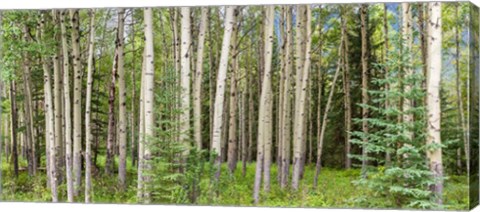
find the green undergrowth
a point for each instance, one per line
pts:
(334, 190)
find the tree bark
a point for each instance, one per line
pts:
(122, 101)
(232, 118)
(67, 112)
(364, 61)
(407, 43)
(185, 78)
(265, 111)
(346, 90)
(13, 128)
(434, 64)
(287, 105)
(148, 96)
(301, 92)
(109, 163)
(220, 96)
(88, 102)
(197, 87)
(77, 99)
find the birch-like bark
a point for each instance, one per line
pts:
(68, 108)
(149, 94)
(303, 67)
(434, 51)
(186, 42)
(122, 101)
(49, 116)
(141, 135)
(197, 87)
(28, 110)
(287, 105)
(407, 43)
(265, 112)
(88, 103)
(220, 90)
(232, 110)
(77, 99)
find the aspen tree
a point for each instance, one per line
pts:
(122, 101)
(149, 83)
(434, 64)
(49, 116)
(77, 99)
(197, 87)
(303, 67)
(67, 113)
(186, 42)
(265, 111)
(407, 42)
(88, 102)
(232, 110)
(286, 123)
(220, 90)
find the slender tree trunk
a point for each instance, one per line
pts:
(385, 56)
(185, 78)
(109, 163)
(149, 81)
(434, 62)
(67, 114)
(286, 122)
(197, 87)
(133, 113)
(243, 128)
(88, 103)
(407, 116)
(264, 142)
(77, 99)
(49, 117)
(141, 135)
(325, 116)
(461, 113)
(364, 61)
(13, 128)
(57, 103)
(122, 101)
(220, 96)
(28, 114)
(232, 118)
(301, 93)
(346, 89)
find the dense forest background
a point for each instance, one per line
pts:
(325, 105)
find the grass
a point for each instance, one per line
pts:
(334, 190)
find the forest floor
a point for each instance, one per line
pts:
(335, 189)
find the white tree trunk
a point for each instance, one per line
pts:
(220, 90)
(149, 84)
(77, 99)
(185, 78)
(68, 108)
(434, 64)
(197, 87)
(88, 103)
(122, 100)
